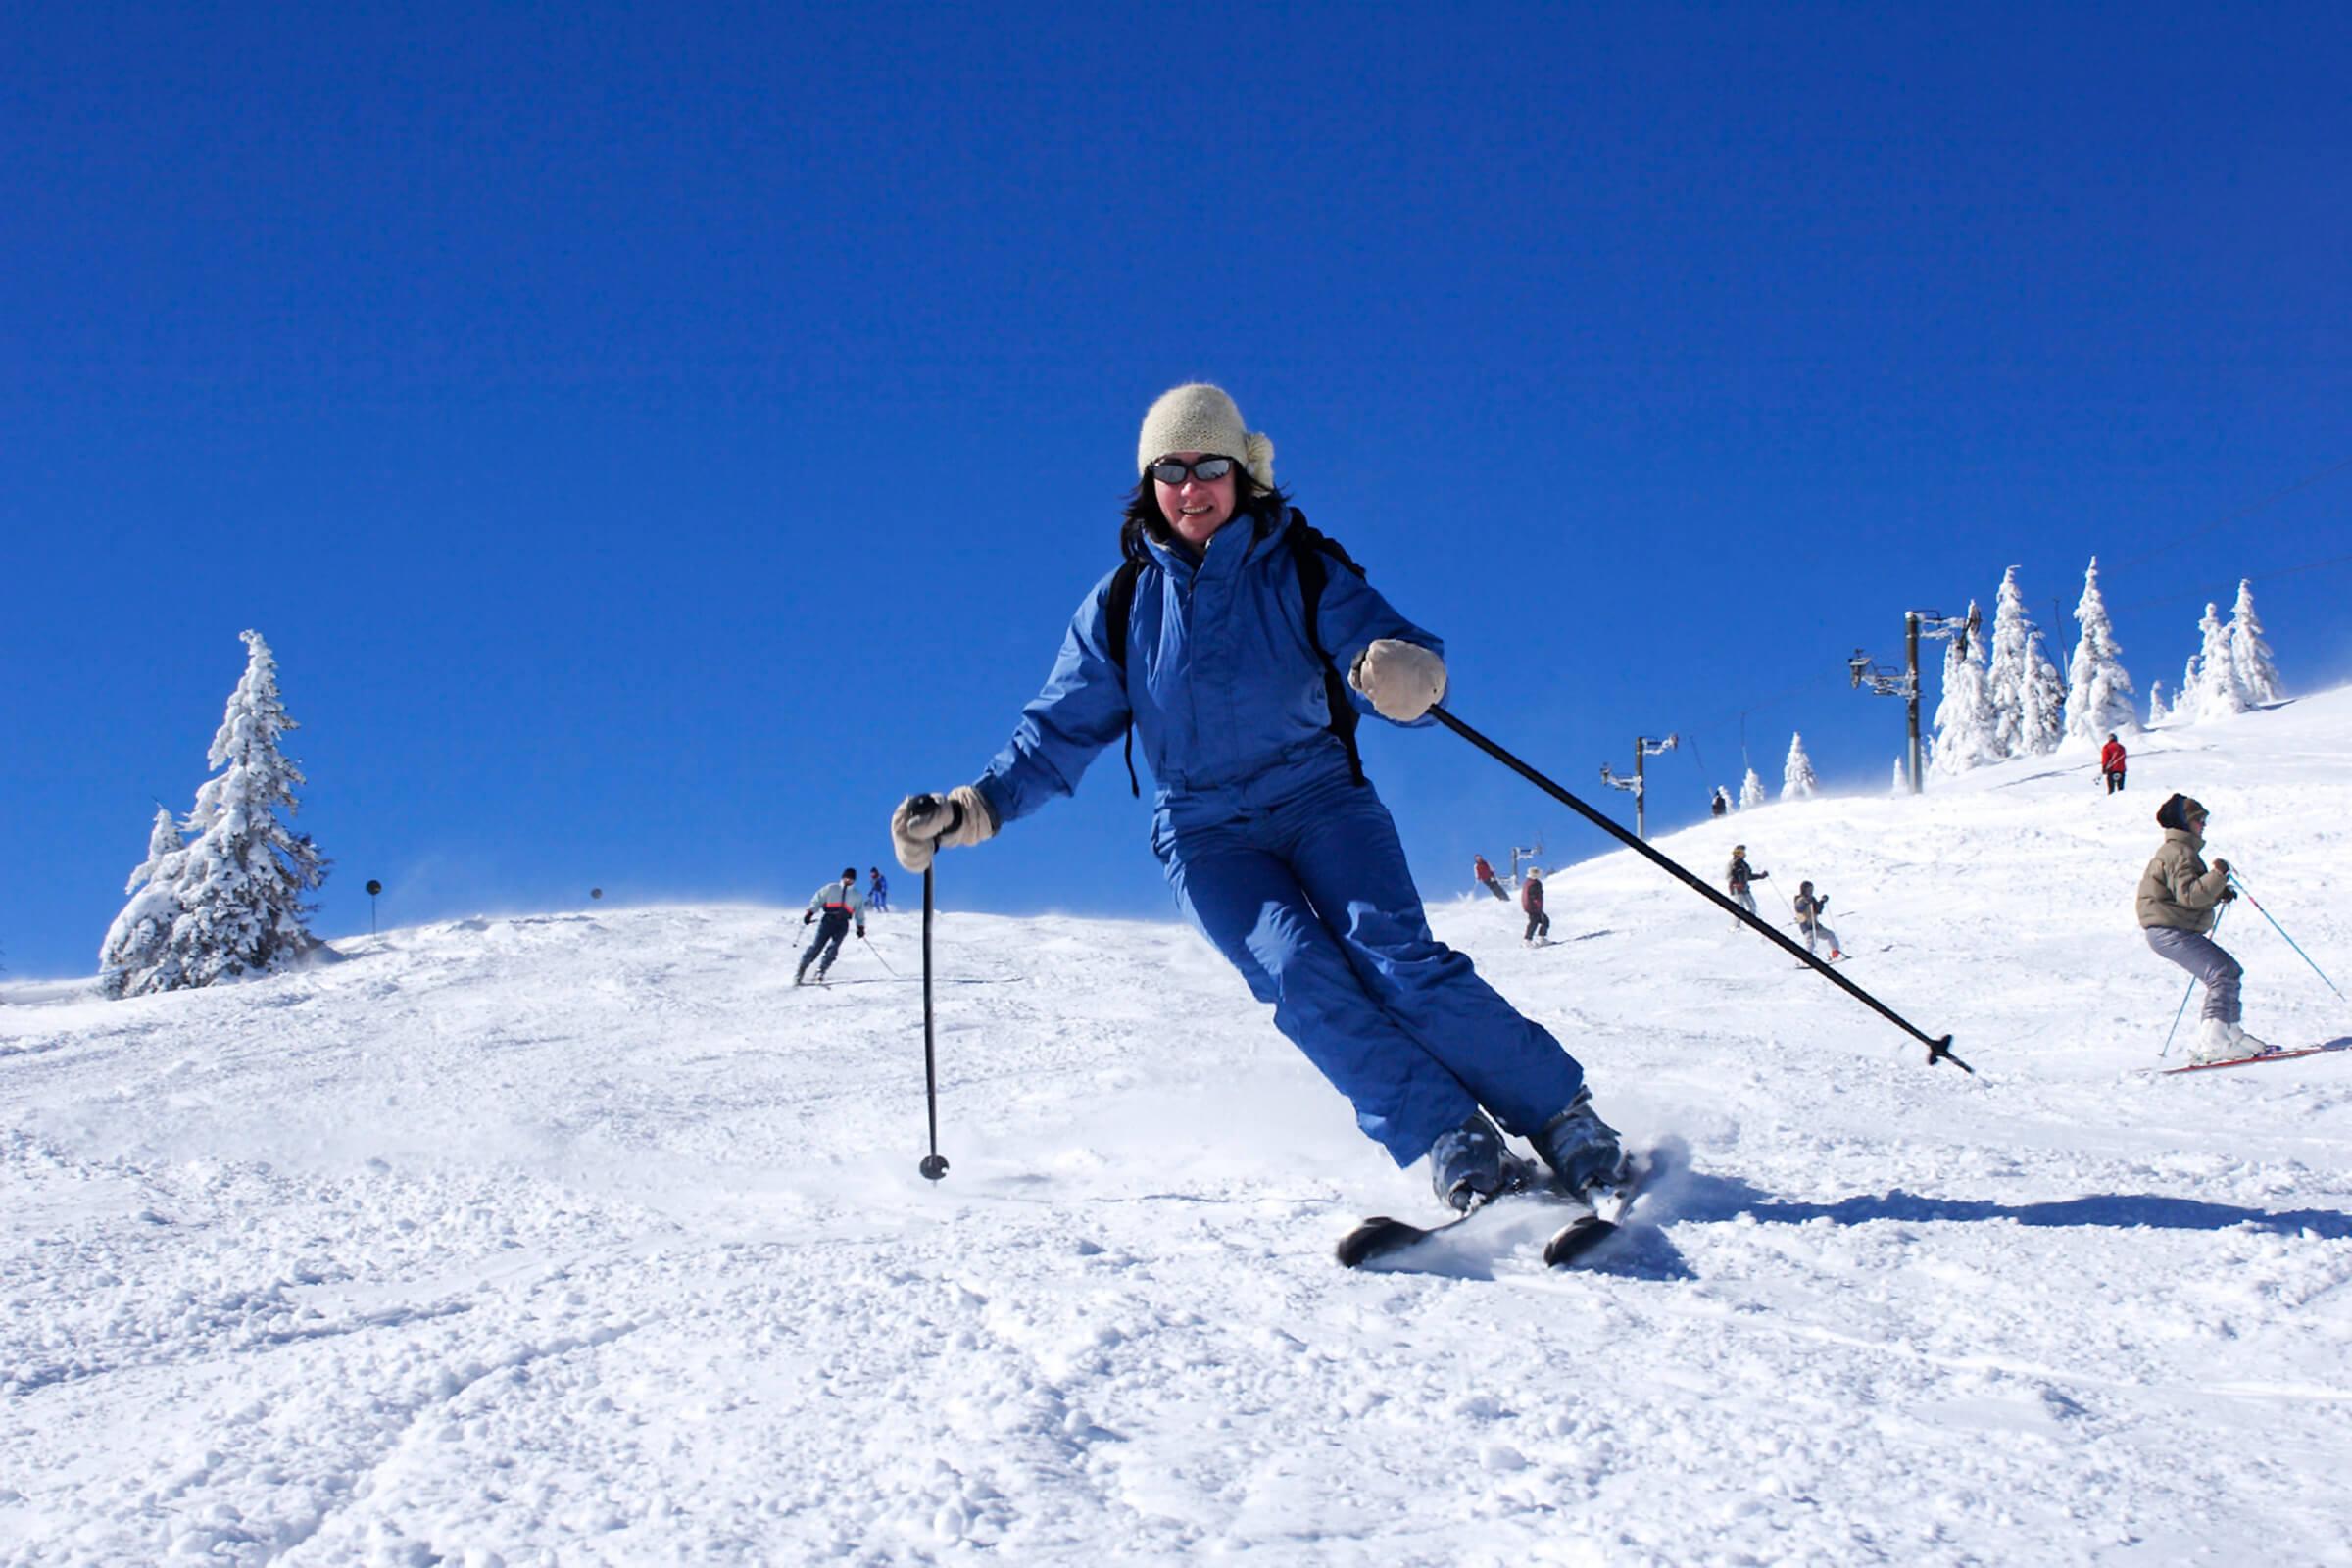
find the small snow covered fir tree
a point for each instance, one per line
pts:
(1796, 776)
(1751, 791)
(2250, 652)
(2028, 696)
(2214, 690)
(1967, 728)
(242, 878)
(135, 959)
(1902, 782)
(2156, 712)
(2098, 691)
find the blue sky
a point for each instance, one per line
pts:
(653, 441)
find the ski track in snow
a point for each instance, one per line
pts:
(588, 1239)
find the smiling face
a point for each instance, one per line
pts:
(1195, 508)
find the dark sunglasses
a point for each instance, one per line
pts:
(1174, 470)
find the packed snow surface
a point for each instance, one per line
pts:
(585, 1238)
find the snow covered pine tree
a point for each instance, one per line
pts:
(1967, 728)
(2214, 690)
(133, 960)
(2250, 652)
(242, 878)
(1796, 776)
(2099, 690)
(1751, 791)
(2028, 697)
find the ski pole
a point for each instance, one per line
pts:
(2282, 930)
(2186, 995)
(877, 953)
(934, 1166)
(1940, 1048)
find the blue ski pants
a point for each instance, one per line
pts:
(1295, 875)
(831, 927)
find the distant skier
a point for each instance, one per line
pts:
(1487, 878)
(1237, 645)
(2180, 900)
(1530, 899)
(1721, 803)
(877, 892)
(840, 903)
(1809, 910)
(2111, 764)
(1739, 876)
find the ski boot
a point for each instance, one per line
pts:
(1581, 1148)
(1469, 1164)
(2216, 1042)
(2247, 1045)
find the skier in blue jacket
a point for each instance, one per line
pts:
(1276, 849)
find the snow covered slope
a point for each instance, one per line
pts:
(580, 1239)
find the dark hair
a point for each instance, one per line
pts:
(1263, 505)
(848, 872)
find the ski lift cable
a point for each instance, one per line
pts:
(2240, 515)
(2264, 577)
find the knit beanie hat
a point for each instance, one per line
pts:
(2180, 811)
(1200, 417)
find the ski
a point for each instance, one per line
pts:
(1597, 1219)
(1576, 1241)
(2249, 1062)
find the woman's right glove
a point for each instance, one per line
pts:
(925, 824)
(1403, 680)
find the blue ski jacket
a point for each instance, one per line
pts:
(1220, 683)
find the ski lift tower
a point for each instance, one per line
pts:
(1531, 853)
(1643, 749)
(1916, 624)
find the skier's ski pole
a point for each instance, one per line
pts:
(1940, 1048)
(878, 959)
(2282, 930)
(934, 1166)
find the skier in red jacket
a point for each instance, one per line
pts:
(2111, 762)
(1487, 879)
(1530, 899)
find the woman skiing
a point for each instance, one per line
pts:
(1531, 900)
(1275, 847)
(1810, 906)
(2180, 901)
(1738, 876)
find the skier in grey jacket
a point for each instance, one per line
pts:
(2180, 901)
(840, 903)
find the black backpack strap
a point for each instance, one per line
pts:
(1116, 610)
(1309, 549)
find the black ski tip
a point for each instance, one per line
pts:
(1577, 1238)
(1375, 1236)
(934, 1167)
(1942, 1051)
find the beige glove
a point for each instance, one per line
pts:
(925, 824)
(1403, 680)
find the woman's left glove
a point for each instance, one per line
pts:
(925, 824)
(1403, 680)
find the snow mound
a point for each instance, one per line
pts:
(590, 1238)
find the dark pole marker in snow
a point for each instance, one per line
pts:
(934, 1165)
(373, 888)
(1940, 1048)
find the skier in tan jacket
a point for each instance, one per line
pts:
(2180, 902)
